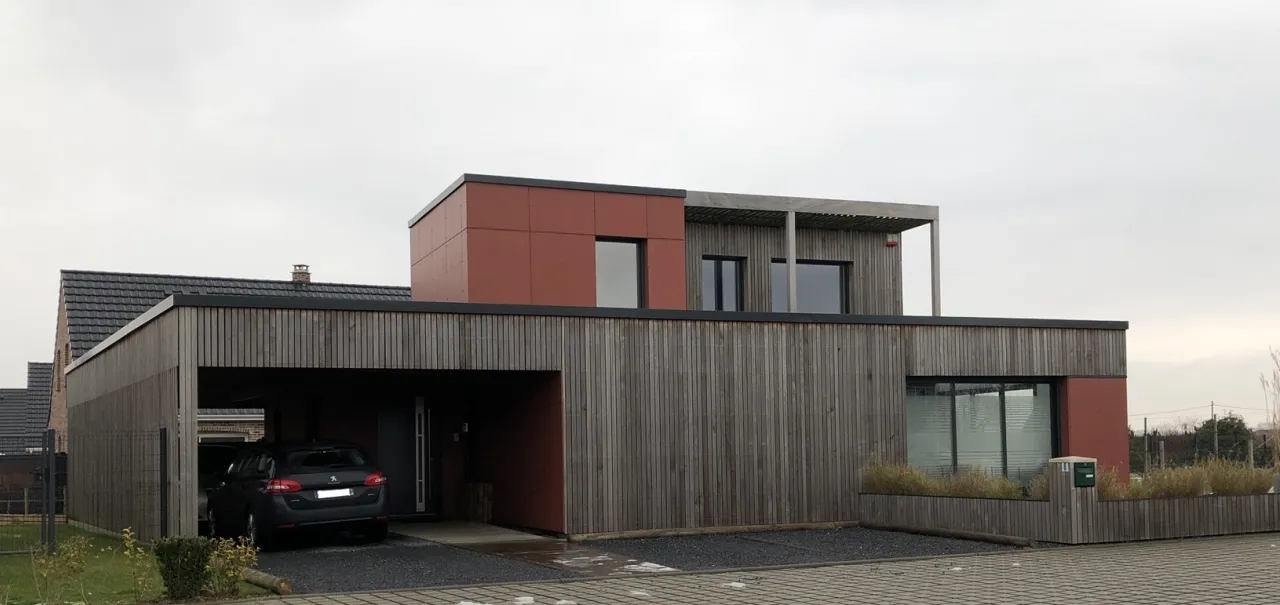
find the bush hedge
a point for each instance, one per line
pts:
(184, 565)
(1218, 477)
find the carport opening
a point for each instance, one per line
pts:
(475, 445)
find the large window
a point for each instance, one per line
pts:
(820, 287)
(618, 273)
(721, 284)
(997, 428)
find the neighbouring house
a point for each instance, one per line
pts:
(92, 305)
(601, 358)
(24, 412)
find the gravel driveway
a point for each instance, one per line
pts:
(332, 565)
(787, 548)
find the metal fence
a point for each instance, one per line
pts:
(119, 480)
(33, 480)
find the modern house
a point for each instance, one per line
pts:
(612, 358)
(92, 305)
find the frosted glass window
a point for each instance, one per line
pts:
(929, 428)
(979, 439)
(996, 428)
(1028, 429)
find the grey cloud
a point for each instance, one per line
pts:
(1091, 159)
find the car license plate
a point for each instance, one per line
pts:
(333, 493)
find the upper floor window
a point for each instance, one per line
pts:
(721, 284)
(820, 287)
(619, 270)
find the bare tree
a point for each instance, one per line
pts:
(1271, 393)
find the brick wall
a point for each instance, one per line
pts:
(61, 357)
(253, 428)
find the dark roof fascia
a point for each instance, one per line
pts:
(544, 184)
(396, 306)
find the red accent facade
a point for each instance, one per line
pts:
(1094, 421)
(488, 243)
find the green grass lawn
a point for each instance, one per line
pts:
(106, 580)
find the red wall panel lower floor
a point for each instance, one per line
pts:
(1094, 421)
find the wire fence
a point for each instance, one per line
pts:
(1186, 447)
(33, 480)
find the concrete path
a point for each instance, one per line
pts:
(530, 548)
(1238, 570)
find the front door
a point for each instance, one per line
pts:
(405, 455)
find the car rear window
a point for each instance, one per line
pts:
(214, 459)
(325, 458)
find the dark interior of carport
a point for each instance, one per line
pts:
(438, 435)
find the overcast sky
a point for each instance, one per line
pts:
(1109, 160)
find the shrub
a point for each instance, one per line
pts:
(142, 565)
(184, 565)
(977, 484)
(880, 477)
(1174, 482)
(1228, 478)
(1110, 487)
(1038, 489)
(227, 564)
(52, 573)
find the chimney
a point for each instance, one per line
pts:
(301, 274)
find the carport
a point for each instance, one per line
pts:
(586, 421)
(432, 432)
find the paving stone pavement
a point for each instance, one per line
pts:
(1236, 569)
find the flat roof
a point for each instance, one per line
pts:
(738, 208)
(543, 183)
(455, 308)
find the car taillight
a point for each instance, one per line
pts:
(375, 479)
(282, 486)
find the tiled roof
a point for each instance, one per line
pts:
(13, 416)
(39, 392)
(99, 303)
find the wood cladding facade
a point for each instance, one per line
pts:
(668, 423)
(1011, 518)
(115, 408)
(873, 270)
(1087, 521)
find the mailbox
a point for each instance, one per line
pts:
(1085, 474)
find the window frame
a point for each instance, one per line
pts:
(642, 294)
(718, 261)
(1055, 392)
(842, 266)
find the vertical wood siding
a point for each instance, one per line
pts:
(667, 423)
(1015, 518)
(116, 405)
(1098, 522)
(874, 270)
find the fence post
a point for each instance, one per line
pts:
(1162, 453)
(164, 482)
(51, 489)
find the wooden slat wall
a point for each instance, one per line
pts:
(1117, 521)
(979, 351)
(667, 423)
(874, 270)
(116, 405)
(1016, 518)
(1127, 520)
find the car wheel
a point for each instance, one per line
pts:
(259, 537)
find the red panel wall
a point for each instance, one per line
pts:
(1095, 421)
(531, 245)
(438, 251)
(525, 458)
